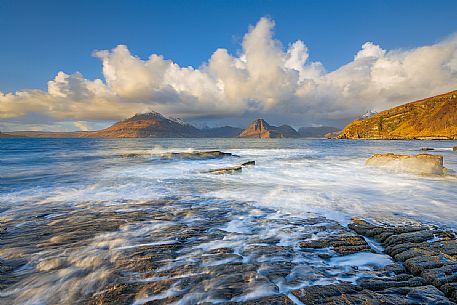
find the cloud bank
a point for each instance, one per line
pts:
(265, 79)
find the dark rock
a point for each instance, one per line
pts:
(343, 244)
(273, 300)
(427, 148)
(225, 170)
(409, 237)
(404, 280)
(248, 163)
(432, 262)
(418, 264)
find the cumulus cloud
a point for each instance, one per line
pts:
(264, 79)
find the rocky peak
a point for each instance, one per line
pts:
(259, 128)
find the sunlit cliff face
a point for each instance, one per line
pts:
(266, 79)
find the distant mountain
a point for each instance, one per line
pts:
(316, 132)
(221, 132)
(261, 129)
(149, 125)
(430, 118)
(7, 135)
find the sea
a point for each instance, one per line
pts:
(81, 215)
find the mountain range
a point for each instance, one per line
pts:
(430, 118)
(156, 125)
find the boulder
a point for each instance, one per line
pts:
(454, 148)
(423, 164)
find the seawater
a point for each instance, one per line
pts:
(76, 210)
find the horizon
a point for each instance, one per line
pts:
(281, 62)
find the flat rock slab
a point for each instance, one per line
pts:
(426, 253)
(350, 294)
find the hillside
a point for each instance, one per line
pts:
(261, 129)
(430, 118)
(148, 125)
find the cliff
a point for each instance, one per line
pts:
(430, 118)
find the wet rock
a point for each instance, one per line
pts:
(212, 154)
(424, 164)
(427, 148)
(225, 170)
(3, 229)
(248, 163)
(403, 280)
(276, 270)
(410, 237)
(418, 264)
(427, 253)
(273, 300)
(126, 293)
(454, 148)
(351, 294)
(342, 244)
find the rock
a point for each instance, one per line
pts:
(212, 154)
(225, 170)
(273, 300)
(424, 164)
(343, 244)
(428, 254)
(248, 163)
(339, 294)
(3, 229)
(454, 148)
(196, 155)
(427, 148)
(262, 130)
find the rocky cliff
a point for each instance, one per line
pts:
(261, 129)
(430, 118)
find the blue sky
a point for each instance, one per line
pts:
(42, 37)
(69, 65)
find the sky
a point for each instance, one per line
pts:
(81, 65)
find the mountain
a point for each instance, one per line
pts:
(7, 135)
(261, 129)
(316, 132)
(149, 125)
(430, 118)
(221, 132)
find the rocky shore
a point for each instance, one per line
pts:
(184, 252)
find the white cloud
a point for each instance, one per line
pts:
(265, 79)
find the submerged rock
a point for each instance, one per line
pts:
(230, 169)
(211, 154)
(225, 170)
(424, 164)
(196, 155)
(248, 163)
